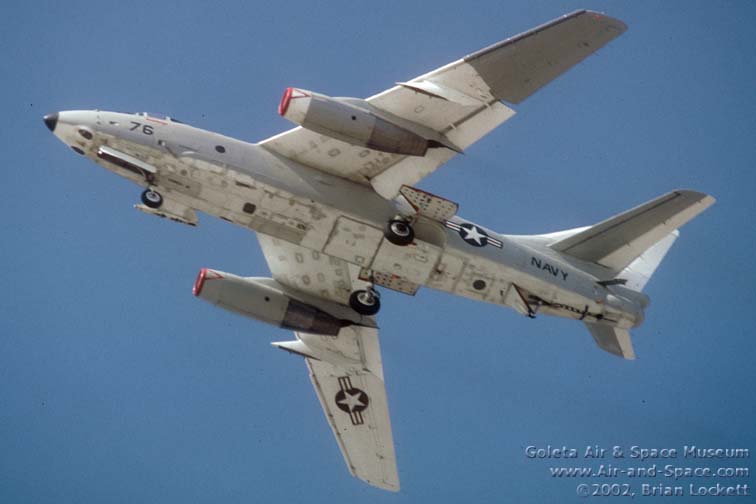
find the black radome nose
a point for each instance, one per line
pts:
(51, 120)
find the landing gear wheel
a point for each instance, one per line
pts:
(399, 232)
(365, 302)
(152, 199)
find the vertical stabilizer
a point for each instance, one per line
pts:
(639, 272)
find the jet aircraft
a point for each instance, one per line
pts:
(337, 213)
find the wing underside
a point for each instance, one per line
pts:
(346, 370)
(347, 374)
(308, 271)
(356, 407)
(461, 101)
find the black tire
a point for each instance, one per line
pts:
(152, 199)
(399, 232)
(365, 304)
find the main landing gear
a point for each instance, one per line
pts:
(365, 302)
(151, 198)
(399, 232)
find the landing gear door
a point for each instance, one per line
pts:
(429, 205)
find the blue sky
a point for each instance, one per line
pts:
(119, 386)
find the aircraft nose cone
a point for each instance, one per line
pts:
(51, 120)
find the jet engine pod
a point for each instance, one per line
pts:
(262, 299)
(339, 118)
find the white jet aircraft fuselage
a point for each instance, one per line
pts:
(337, 213)
(304, 206)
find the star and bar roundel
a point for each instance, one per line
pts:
(472, 234)
(351, 400)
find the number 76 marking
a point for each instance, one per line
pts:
(146, 128)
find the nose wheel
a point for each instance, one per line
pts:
(399, 232)
(151, 198)
(365, 302)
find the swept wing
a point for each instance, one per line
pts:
(461, 100)
(346, 370)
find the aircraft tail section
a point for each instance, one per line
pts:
(631, 246)
(638, 273)
(617, 243)
(614, 340)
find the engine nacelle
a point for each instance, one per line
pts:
(337, 118)
(263, 299)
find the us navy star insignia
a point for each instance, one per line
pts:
(472, 234)
(351, 400)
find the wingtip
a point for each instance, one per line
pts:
(618, 24)
(704, 198)
(384, 485)
(389, 481)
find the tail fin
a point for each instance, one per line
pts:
(639, 272)
(617, 243)
(632, 245)
(618, 341)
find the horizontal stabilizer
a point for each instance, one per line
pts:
(613, 340)
(618, 241)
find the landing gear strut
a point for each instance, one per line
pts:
(365, 302)
(399, 232)
(152, 198)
